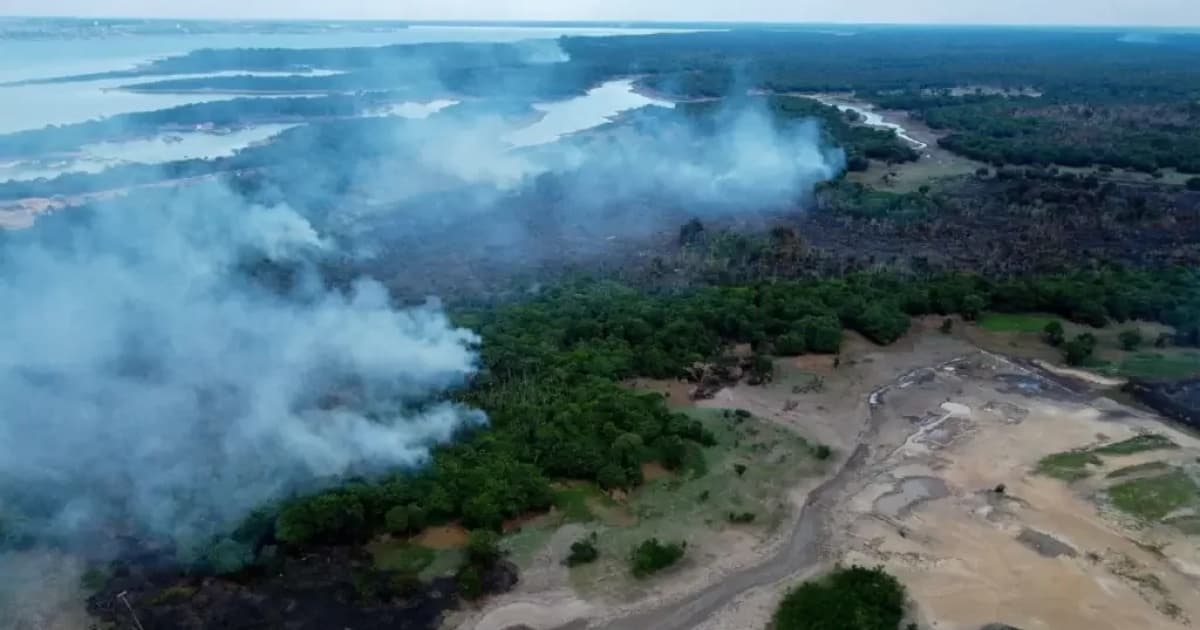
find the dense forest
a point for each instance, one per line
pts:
(1073, 98)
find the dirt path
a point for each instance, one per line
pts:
(802, 551)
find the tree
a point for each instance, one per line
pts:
(857, 163)
(229, 556)
(1054, 334)
(822, 333)
(470, 582)
(653, 556)
(1131, 339)
(331, 518)
(611, 476)
(1079, 349)
(691, 232)
(403, 519)
(483, 548)
(972, 307)
(852, 598)
(791, 344)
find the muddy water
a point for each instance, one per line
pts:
(910, 493)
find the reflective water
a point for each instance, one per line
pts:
(94, 158)
(593, 109)
(35, 106)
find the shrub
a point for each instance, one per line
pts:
(1079, 349)
(1131, 339)
(652, 556)
(741, 517)
(822, 452)
(1054, 334)
(470, 583)
(483, 548)
(583, 551)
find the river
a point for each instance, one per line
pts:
(869, 116)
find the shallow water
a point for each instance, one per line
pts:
(593, 109)
(35, 106)
(168, 147)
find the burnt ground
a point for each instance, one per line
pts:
(322, 589)
(1021, 222)
(1179, 401)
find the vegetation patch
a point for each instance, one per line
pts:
(573, 501)
(401, 556)
(1152, 498)
(1016, 322)
(852, 598)
(1161, 366)
(653, 556)
(1069, 466)
(583, 551)
(1139, 444)
(696, 502)
(1138, 469)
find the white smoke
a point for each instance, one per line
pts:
(145, 377)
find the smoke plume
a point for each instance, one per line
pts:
(148, 378)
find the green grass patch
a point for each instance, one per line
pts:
(573, 502)
(693, 505)
(1016, 322)
(1138, 469)
(1152, 498)
(402, 556)
(1139, 444)
(1069, 466)
(1161, 366)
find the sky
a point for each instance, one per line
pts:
(1081, 12)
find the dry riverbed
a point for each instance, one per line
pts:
(936, 477)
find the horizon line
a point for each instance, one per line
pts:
(611, 23)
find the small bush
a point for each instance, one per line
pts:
(1131, 339)
(653, 556)
(583, 551)
(1078, 350)
(822, 452)
(1054, 333)
(741, 517)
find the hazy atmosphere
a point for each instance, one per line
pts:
(1122, 12)
(616, 315)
